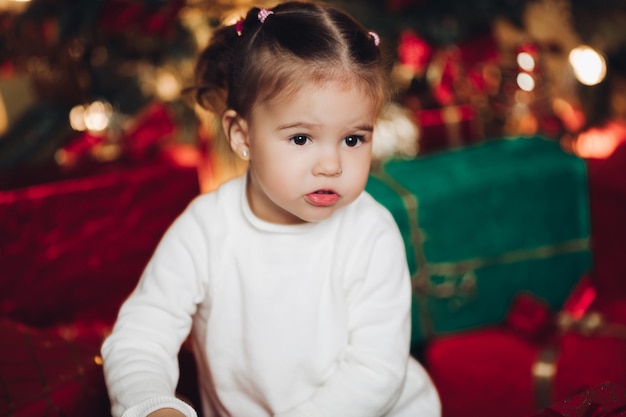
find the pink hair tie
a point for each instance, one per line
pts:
(375, 37)
(263, 13)
(239, 26)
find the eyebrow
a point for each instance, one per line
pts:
(367, 128)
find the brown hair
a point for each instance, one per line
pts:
(300, 42)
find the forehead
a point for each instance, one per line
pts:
(331, 103)
(288, 76)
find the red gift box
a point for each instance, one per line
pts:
(73, 249)
(522, 366)
(587, 347)
(447, 128)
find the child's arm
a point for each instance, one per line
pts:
(141, 355)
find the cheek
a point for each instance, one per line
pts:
(278, 175)
(359, 173)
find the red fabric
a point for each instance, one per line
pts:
(604, 400)
(44, 375)
(72, 250)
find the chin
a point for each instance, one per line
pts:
(319, 214)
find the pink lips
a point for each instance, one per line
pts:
(322, 197)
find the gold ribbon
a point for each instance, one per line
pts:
(543, 371)
(465, 269)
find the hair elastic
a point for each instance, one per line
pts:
(239, 26)
(263, 13)
(375, 37)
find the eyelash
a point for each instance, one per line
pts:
(297, 138)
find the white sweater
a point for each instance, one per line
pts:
(286, 321)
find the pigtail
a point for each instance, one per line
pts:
(212, 70)
(271, 51)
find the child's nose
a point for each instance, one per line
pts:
(328, 163)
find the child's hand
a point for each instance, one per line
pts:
(166, 412)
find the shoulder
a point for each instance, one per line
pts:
(369, 223)
(208, 211)
(223, 198)
(367, 209)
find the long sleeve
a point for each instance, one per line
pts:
(369, 376)
(285, 320)
(140, 356)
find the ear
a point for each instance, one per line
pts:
(236, 131)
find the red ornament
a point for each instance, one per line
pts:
(414, 52)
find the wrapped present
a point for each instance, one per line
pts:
(535, 358)
(485, 222)
(46, 375)
(73, 248)
(508, 372)
(447, 127)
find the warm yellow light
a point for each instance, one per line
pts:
(526, 61)
(600, 142)
(4, 117)
(525, 81)
(77, 118)
(94, 117)
(14, 5)
(168, 85)
(97, 116)
(589, 66)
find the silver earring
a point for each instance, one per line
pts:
(244, 153)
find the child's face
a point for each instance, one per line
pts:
(310, 152)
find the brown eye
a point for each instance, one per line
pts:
(353, 141)
(300, 140)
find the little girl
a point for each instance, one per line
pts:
(291, 281)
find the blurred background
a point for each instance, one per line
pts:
(76, 77)
(507, 131)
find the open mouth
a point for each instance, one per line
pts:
(323, 197)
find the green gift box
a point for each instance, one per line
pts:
(485, 222)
